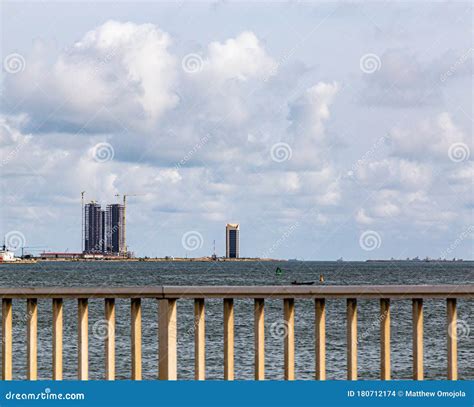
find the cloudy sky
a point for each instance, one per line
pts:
(324, 129)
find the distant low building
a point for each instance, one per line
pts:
(232, 241)
(61, 255)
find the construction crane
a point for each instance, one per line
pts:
(124, 218)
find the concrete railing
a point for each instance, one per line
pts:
(167, 297)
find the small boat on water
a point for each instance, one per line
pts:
(302, 282)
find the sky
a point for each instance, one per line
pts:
(325, 129)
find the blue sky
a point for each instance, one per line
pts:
(324, 129)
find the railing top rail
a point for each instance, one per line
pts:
(281, 291)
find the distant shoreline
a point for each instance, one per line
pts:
(219, 260)
(152, 259)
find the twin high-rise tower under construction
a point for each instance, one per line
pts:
(115, 225)
(104, 230)
(94, 228)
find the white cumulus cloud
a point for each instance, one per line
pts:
(431, 138)
(117, 75)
